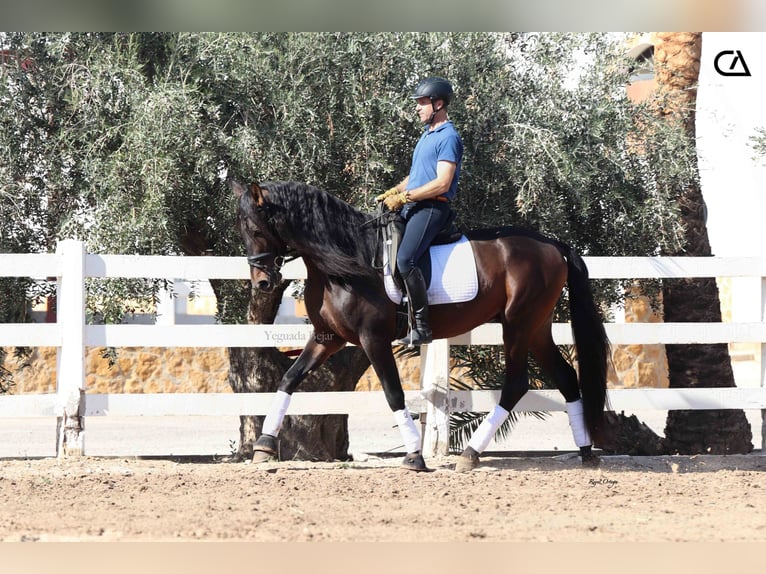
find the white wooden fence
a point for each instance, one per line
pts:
(71, 265)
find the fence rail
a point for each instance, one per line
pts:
(71, 265)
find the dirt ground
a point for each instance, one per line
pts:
(702, 498)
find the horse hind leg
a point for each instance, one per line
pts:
(514, 388)
(469, 458)
(564, 376)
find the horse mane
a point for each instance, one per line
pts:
(329, 231)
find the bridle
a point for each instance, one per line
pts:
(274, 271)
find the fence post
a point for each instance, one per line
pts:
(70, 367)
(434, 382)
(763, 364)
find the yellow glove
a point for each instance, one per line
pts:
(395, 202)
(388, 193)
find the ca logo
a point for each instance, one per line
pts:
(736, 63)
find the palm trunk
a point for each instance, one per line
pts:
(677, 60)
(699, 366)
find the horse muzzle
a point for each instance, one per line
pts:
(267, 281)
(268, 285)
(264, 277)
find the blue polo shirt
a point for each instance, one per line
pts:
(441, 144)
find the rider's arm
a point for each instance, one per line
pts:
(445, 171)
(402, 185)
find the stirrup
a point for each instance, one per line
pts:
(414, 338)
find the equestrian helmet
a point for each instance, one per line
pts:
(435, 88)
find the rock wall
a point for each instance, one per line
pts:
(639, 365)
(155, 370)
(134, 370)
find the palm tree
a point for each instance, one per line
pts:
(676, 67)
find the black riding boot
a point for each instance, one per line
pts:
(417, 298)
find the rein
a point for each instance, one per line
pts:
(388, 234)
(271, 262)
(381, 214)
(381, 234)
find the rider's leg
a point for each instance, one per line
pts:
(423, 220)
(417, 295)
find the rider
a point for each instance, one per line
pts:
(424, 196)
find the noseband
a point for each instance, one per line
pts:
(274, 271)
(255, 261)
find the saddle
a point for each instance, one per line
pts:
(393, 229)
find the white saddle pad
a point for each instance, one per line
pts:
(453, 275)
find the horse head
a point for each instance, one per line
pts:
(265, 250)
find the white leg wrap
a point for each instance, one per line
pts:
(487, 429)
(276, 415)
(577, 423)
(408, 429)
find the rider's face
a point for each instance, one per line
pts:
(424, 108)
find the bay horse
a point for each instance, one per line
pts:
(521, 277)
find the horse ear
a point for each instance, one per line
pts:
(253, 189)
(258, 195)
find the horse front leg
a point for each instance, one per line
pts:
(319, 348)
(381, 357)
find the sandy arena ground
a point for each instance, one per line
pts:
(539, 498)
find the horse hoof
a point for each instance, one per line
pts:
(468, 460)
(265, 448)
(414, 461)
(261, 456)
(591, 461)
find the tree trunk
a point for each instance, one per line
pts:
(251, 370)
(628, 435)
(677, 61)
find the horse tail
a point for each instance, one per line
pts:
(591, 342)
